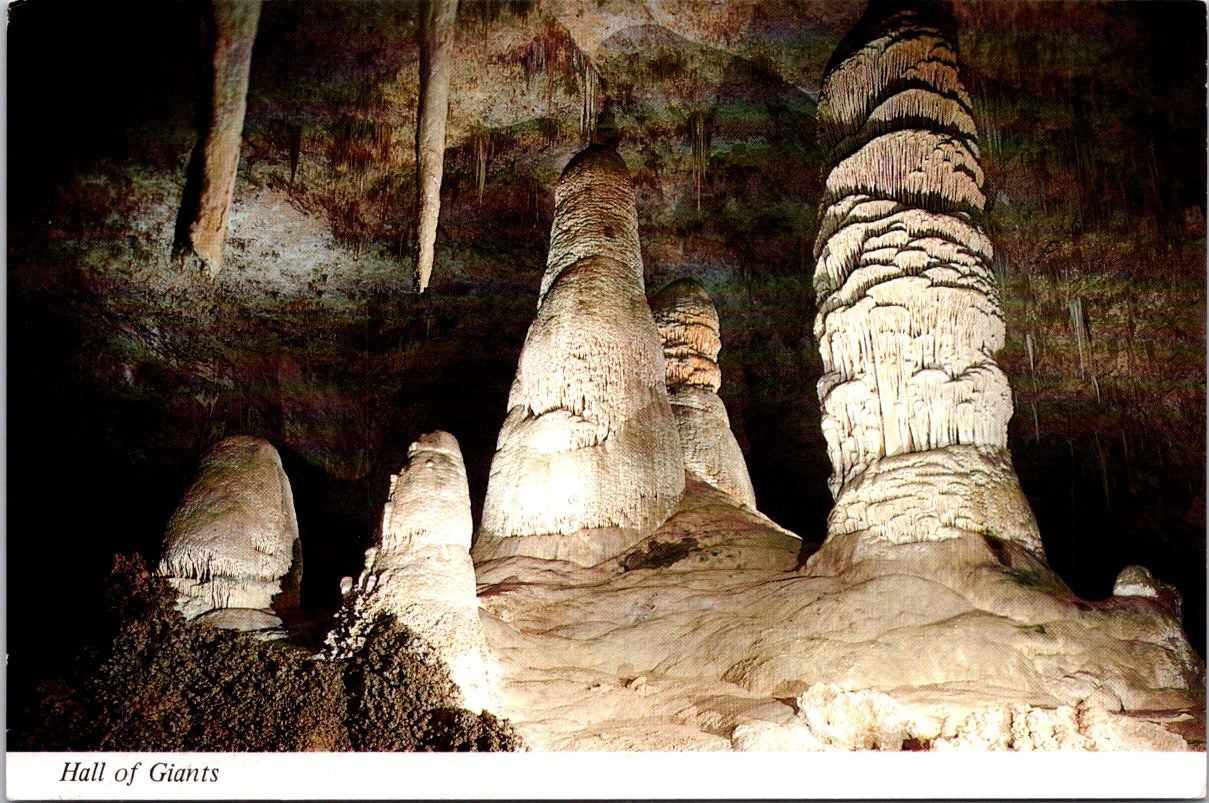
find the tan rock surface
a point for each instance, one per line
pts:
(915, 408)
(726, 633)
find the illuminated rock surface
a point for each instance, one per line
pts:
(688, 324)
(588, 461)
(915, 409)
(929, 618)
(421, 573)
(706, 646)
(231, 549)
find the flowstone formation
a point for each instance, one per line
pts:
(231, 549)
(588, 460)
(421, 572)
(915, 409)
(929, 618)
(688, 324)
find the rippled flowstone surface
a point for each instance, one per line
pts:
(707, 637)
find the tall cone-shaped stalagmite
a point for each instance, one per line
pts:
(421, 573)
(588, 461)
(201, 224)
(437, 28)
(688, 324)
(231, 549)
(915, 409)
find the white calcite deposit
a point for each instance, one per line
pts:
(588, 461)
(915, 409)
(420, 572)
(688, 324)
(829, 718)
(972, 634)
(231, 549)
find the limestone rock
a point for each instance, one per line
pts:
(949, 629)
(1137, 581)
(233, 541)
(595, 215)
(201, 226)
(915, 409)
(258, 623)
(438, 25)
(421, 571)
(588, 461)
(688, 324)
(830, 718)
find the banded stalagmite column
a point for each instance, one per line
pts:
(688, 324)
(915, 409)
(438, 20)
(421, 571)
(231, 549)
(201, 224)
(588, 461)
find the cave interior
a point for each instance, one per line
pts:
(126, 365)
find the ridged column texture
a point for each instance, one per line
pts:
(688, 324)
(915, 409)
(588, 461)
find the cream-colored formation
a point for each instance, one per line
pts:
(201, 227)
(829, 718)
(915, 409)
(688, 324)
(231, 549)
(588, 460)
(438, 28)
(421, 572)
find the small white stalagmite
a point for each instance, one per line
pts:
(231, 549)
(588, 462)
(421, 572)
(688, 324)
(915, 408)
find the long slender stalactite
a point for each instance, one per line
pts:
(915, 408)
(437, 30)
(201, 225)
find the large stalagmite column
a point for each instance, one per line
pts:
(915, 409)
(688, 324)
(437, 28)
(588, 461)
(201, 224)
(421, 570)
